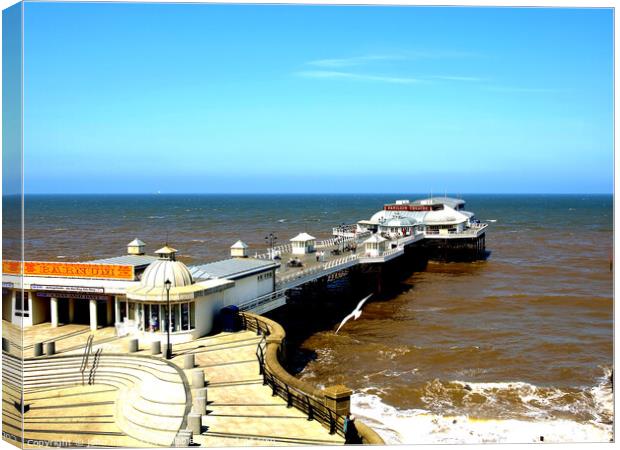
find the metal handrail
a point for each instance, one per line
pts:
(262, 300)
(87, 350)
(96, 358)
(313, 407)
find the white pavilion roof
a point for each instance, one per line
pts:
(446, 216)
(375, 239)
(239, 244)
(303, 237)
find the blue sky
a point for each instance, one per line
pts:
(238, 98)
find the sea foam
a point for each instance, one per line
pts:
(419, 426)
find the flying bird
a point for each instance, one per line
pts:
(355, 314)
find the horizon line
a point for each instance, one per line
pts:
(439, 195)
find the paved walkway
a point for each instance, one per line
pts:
(68, 338)
(241, 411)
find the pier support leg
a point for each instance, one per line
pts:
(54, 311)
(379, 282)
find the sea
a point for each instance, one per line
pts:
(515, 348)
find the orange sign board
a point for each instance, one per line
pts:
(70, 270)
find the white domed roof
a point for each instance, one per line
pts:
(446, 216)
(400, 222)
(156, 274)
(379, 216)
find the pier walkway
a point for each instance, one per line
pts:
(331, 256)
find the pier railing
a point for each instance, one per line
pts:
(298, 394)
(474, 230)
(317, 271)
(325, 243)
(263, 300)
(349, 230)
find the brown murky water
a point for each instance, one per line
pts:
(504, 350)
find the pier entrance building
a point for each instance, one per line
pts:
(132, 292)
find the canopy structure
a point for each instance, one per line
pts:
(375, 245)
(303, 244)
(178, 293)
(239, 245)
(303, 237)
(375, 239)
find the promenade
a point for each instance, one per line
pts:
(138, 400)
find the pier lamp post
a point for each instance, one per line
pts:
(168, 284)
(342, 229)
(271, 239)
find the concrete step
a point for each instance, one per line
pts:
(157, 408)
(149, 405)
(154, 419)
(142, 426)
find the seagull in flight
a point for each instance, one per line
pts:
(355, 314)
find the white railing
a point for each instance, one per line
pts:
(354, 237)
(259, 301)
(319, 270)
(277, 250)
(391, 251)
(345, 230)
(473, 230)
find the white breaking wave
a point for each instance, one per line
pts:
(419, 426)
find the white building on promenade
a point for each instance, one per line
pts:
(131, 292)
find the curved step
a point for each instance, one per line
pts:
(150, 404)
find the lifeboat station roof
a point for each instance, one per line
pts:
(231, 269)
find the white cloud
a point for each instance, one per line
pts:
(326, 74)
(354, 61)
(519, 89)
(457, 78)
(406, 56)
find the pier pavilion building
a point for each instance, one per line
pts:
(449, 231)
(432, 216)
(130, 292)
